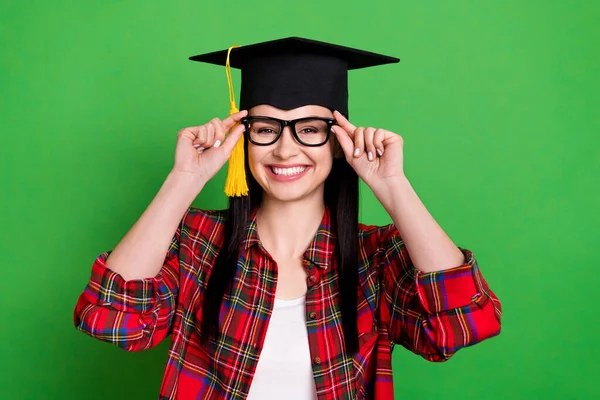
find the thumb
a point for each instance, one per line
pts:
(344, 140)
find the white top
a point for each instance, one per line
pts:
(284, 369)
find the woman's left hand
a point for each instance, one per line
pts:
(375, 154)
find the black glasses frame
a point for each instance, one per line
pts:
(282, 124)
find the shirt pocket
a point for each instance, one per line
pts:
(368, 296)
(364, 364)
(368, 332)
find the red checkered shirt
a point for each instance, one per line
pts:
(431, 314)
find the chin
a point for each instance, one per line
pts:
(291, 193)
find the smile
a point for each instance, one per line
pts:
(286, 174)
(288, 171)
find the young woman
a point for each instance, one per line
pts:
(285, 294)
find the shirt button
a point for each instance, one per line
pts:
(312, 315)
(317, 360)
(312, 279)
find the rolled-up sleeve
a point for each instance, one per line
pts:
(434, 314)
(135, 314)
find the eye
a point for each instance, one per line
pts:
(265, 131)
(308, 130)
(311, 126)
(264, 128)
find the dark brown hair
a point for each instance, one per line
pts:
(341, 197)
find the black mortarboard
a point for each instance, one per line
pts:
(286, 74)
(294, 72)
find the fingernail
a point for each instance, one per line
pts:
(196, 145)
(217, 143)
(356, 152)
(370, 156)
(379, 152)
(201, 148)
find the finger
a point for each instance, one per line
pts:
(198, 145)
(210, 130)
(359, 141)
(201, 136)
(369, 134)
(344, 140)
(191, 135)
(187, 134)
(233, 119)
(378, 141)
(231, 139)
(343, 122)
(219, 132)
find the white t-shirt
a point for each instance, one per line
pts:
(284, 369)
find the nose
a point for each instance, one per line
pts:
(286, 147)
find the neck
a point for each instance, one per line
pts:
(288, 227)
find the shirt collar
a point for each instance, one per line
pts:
(319, 251)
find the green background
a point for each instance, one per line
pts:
(497, 102)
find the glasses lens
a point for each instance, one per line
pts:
(312, 131)
(264, 130)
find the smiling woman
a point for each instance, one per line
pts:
(285, 294)
(296, 151)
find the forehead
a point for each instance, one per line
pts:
(300, 112)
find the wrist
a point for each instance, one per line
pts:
(391, 191)
(185, 183)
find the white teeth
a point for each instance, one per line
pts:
(288, 171)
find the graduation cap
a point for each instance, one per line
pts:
(286, 74)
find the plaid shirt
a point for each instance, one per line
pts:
(431, 314)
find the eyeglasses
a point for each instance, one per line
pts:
(311, 131)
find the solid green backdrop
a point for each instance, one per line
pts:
(497, 102)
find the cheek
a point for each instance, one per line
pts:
(254, 157)
(325, 159)
(335, 148)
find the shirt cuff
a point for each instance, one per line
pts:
(107, 288)
(452, 288)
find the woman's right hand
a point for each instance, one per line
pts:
(203, 150)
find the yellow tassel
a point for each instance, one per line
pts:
(236, 184)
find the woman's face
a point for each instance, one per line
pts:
(286, 169)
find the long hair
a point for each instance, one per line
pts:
(341, 197)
